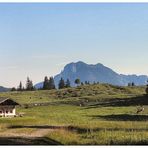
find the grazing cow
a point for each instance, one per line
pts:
(140, 109)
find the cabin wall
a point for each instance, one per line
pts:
(7, 111)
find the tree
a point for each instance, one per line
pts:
(129, 84)
(133, 84)
(82, 83)
(77, 81)
(67, 83)
(61, 83)
(146, 90)
(20, 87)
(94, 83)
(46, 83)
(29, 84)
(86, 82)
(13, 89)
(51, 83)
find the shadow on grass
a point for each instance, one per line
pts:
(122, 117)
(128, 142)
(89, 130)
(133, 101)
(27, 141)
(38, 126)
(81, 130)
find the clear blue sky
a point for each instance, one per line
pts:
(39, 39)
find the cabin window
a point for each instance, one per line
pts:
(1, 112)
(6, 112)
(11, 111)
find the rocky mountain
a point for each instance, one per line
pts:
(4, 89)
(95, 73)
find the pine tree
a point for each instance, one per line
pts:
(67, 83)
(77, 81)
(20, 87)
(133, 84)
(146, 90)
(86, 83)
(29, 84)
(129, 84)
(51, 83)
(13, 89)
(46, 83)
(61, 83)
(82, 83)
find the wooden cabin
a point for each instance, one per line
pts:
(7, 107)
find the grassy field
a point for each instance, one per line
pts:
(98, 114)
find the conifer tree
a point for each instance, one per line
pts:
(61, 83)
(29, 84)
(13, 89)
(146, 90)
(51, 83)
(133, 84)
(20, 87)
(86, 82)
(77, 81)
(46, 83)
(67, 83)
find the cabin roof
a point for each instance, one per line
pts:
(7, 101)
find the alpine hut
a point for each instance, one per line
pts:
(7, 107)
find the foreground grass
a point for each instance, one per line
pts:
(80, 126)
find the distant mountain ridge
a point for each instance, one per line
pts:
(4, 89)
(95, 73)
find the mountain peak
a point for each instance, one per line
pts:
(76, 63)
(96, 73)
(99, 64)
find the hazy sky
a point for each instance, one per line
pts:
(39, 39)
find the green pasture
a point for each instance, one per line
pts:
(99, 114)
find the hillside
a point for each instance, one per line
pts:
(76, 95)
(95, 73)
(77, 116)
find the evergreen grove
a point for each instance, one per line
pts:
(49, 84)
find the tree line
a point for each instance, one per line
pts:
(29, 86)
(48, 84)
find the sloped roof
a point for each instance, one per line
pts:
(7, 101)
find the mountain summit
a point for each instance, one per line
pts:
(96, 73)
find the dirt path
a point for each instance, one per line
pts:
(29, 135)
(34, 138)
(37, 137)
(40, 132)
(36, 133)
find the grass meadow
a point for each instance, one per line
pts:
(98, 114)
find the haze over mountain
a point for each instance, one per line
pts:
(95, 73)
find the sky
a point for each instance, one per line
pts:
(39, 39)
